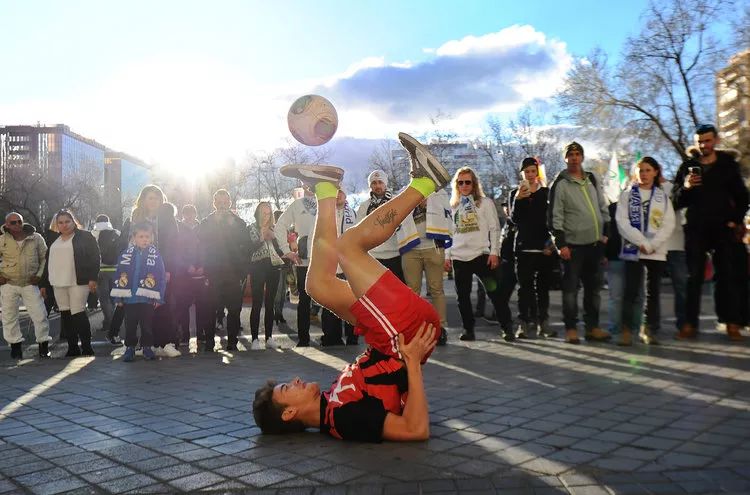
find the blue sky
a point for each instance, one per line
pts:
(144, 77)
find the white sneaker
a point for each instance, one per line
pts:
(271, 344)
(255, 345)
(170, 351)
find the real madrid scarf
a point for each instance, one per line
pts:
(640, 218)
(467, 216)
(140, 272)
(375, 202)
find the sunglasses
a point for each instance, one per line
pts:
(15, 222)
(463, 182)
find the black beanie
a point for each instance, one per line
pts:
(528, 162)
(572, 146)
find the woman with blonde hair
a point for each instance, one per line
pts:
(265, 265)
(72, 270)
(152, 206)
(475, 249)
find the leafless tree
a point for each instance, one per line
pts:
(663, 86)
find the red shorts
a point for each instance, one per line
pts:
(389, 308)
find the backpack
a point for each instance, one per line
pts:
(109, 247)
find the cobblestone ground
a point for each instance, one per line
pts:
(533, 417)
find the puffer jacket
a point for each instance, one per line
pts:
(19, 265)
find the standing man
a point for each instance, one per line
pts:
(578, 215)
(223, 241)
(301, 214)
(23, 252)
(710, 187)
(387, 253)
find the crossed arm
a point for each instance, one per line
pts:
(414, 422)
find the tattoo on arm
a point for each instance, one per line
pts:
(386, 218)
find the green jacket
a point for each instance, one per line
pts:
(578, 212)
(18, 265)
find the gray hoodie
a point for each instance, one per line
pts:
(578, 212)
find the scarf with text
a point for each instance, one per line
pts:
(375, 202)
(147, 267)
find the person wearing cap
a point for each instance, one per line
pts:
(709, 185)
(533, 249)
(387, 253)
(578, 218)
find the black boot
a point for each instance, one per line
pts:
(67, 330)
(16, 351)
(82, 324)
(44, 349)
(210, 343)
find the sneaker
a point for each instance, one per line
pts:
(271, 344)
(169, 351)
(129, 355)
(16, 351)
(255, 345)
(115, 340)
(158, 351)
(468, 337)
(423, 163)
(148, 353)
(312, 174)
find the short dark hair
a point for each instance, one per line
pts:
(267, 413)
(102, 218)
(705, 129)
(142, 227)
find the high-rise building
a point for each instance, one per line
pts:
(733, 105)
(125, 176)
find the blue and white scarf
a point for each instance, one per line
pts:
(140, 274)
(640, 218)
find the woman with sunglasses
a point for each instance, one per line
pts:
(72, 270)
(475, 249)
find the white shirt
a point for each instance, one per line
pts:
(62, 267)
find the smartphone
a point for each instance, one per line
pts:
(695, 170)
(524, 184)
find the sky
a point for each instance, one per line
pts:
(188, 83)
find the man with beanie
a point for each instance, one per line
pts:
(23, 252)
(387, 253)
(578, 217)
(709, 185)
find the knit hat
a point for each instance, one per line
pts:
(528, 162)
(572, 146)
(377, 175)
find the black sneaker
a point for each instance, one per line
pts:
(44, 349)
(468, 337)
(312, 174)
(16, 351)
(424, 163)
(443, 339)
(115, 340)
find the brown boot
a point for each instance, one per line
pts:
(571, 336)
(733, 331)
(687, 332)
(598, 335)
(626, 338)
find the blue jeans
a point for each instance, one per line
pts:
(678, 272)
(616, 283)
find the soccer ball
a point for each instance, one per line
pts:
(312, 120)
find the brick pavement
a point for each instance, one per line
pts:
(532, 417)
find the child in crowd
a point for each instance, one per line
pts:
(139, 286)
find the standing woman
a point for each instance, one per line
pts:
(72, 270)
(645, 219)
(475, 250)
(152, 206)
(265, 266)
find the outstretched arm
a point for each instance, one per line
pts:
(414, 423)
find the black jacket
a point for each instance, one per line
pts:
(224, 246)
(85, 257)
(165, 237)
(530, 217)
(722, 197)
(188, 252)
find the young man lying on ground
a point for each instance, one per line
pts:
(380, 396)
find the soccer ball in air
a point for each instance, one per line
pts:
(312, 120)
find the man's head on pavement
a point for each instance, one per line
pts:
(279, 407)
(378, 182)
(574, 157)
(222, 200)
(14, 223)
(706, 138)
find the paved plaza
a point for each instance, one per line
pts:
(537, 417)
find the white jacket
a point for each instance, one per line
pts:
(439, 224)
(661, 222)
(389, 249)
(469, 245)
(304, 223)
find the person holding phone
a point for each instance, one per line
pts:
(709, 185)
